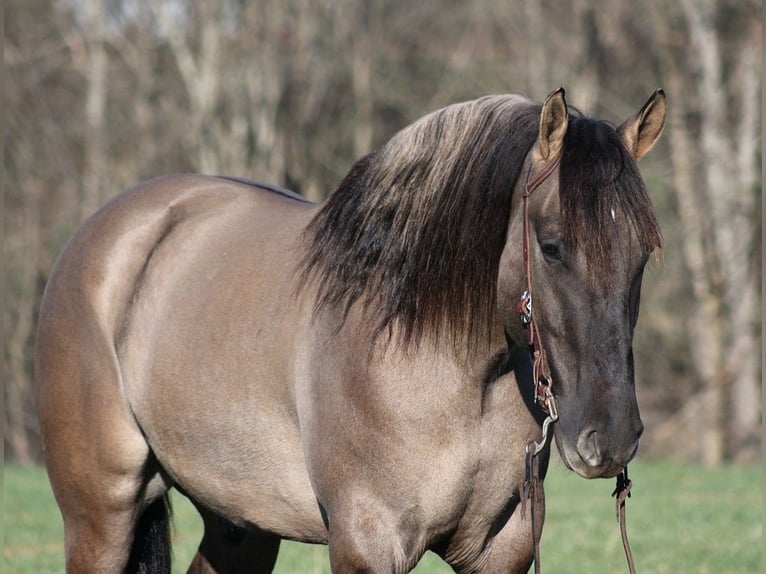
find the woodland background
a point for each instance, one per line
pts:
(100, 94)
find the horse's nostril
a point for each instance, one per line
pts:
(588, 447)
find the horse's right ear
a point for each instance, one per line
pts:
(554, 120)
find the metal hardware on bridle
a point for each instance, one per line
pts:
(543, 382)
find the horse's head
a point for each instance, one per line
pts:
(591, 230)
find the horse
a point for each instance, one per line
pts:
(354, 373)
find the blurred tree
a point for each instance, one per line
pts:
(714, 150)
(93, 30)
(103, 93)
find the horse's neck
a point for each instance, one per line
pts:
(438, 363)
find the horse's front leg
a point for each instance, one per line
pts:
(366, 535)
(512, 549)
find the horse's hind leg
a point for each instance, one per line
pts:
(97, 459)
(103, 539)
(226, 549)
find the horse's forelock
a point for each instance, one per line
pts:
(415, 231)
(600, 183)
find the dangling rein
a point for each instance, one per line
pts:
(541, 375)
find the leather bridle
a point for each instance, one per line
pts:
(543, 383)
(541, 373)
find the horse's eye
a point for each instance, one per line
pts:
(551, 249)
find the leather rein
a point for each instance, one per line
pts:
(543, 382)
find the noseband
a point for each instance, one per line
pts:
(543, 382)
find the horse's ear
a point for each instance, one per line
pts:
(554, 119)
(640, 132)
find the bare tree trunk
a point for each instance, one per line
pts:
(536, 62)
(705, 328)
(25, 249)
(265, 86)
(730, 192)
(744, 352)
(201, 76)
(139, 55)
(318, 71)
(95, 105)
(719, 231)
(584, 48)
(361, 80)
(692, 426)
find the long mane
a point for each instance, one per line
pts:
(415, 231)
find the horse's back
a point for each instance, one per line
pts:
(100, 272)
(104, 261)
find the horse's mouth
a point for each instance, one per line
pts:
(590, 467)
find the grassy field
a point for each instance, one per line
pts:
(681, 519)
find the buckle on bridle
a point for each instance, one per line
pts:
(525, 308)
(532, 449)
(544, 397)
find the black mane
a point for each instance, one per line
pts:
(598, 181)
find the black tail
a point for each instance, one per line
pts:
(150, 553)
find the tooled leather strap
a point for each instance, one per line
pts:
(541, 374)
(543, 394)
(540, 370)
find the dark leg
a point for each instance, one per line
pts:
(227, 549)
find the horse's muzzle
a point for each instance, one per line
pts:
(596, 457)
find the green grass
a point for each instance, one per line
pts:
(680, 519)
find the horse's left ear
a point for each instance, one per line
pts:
(554, 120)
(640, 132)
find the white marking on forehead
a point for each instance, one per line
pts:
(613, 214)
